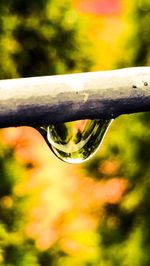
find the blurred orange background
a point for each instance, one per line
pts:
(65, 203)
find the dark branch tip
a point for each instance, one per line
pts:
(134, 87)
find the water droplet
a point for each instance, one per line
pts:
(74, 142)
(145, 83)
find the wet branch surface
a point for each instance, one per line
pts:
(54, 99)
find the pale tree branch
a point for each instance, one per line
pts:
(53, 99)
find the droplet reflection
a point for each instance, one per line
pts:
(74, 142)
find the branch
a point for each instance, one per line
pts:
(44, 100)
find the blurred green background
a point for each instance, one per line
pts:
(97, 213)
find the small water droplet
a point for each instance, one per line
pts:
(145, 83)
(74, 142)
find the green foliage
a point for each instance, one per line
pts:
(36, 38)
(40, 38)
(142, 31)
(124, 228)
(124, 233)
(15, 249)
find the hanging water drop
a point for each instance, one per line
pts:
(74, 142)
